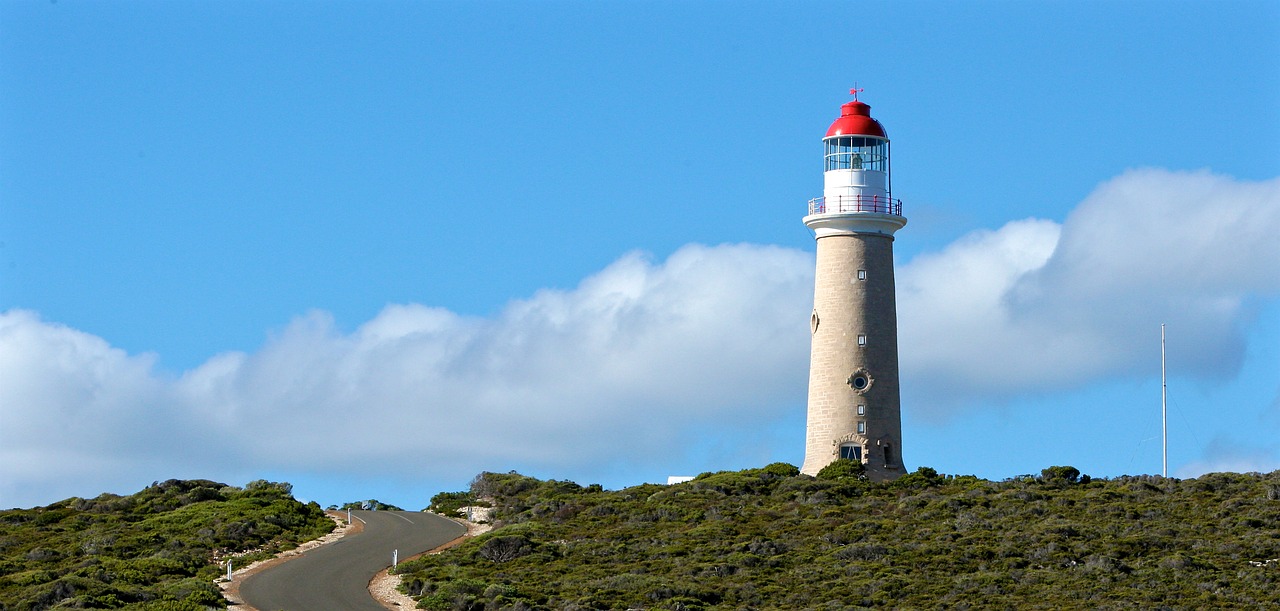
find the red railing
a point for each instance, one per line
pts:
(856, 203)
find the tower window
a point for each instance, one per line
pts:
(862, 410)
(862, 274)
(862, 428)
(888, 456)
(862, 340)
(860, 380)
(851, 452)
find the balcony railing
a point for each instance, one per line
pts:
(855, 203)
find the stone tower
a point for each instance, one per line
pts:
(854, 405)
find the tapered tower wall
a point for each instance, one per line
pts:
(854, 337)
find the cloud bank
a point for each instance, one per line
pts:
(626, 369)
(645, 359)
(1037, 307)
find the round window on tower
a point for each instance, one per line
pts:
(860, 381)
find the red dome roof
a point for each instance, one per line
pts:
(855, 119)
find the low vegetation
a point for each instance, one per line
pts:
(158, 550)
(371, 504)
(453, 503)
(771, 538)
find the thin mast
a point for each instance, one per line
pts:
(1164, 405)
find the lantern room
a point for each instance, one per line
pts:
(855, 173)
(856, 161)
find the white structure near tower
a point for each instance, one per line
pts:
(854, 405)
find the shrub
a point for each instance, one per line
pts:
(843, 468)
(920, 478)
(262, 485)
(373, 504)
(448, 503)
(1063, 476)
(506, 549)
(782, 469)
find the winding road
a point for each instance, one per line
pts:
(336, 576)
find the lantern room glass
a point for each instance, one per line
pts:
(856, 153)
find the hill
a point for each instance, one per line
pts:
(158, 550)
(773, 539)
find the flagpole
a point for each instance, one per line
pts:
(1164, 407)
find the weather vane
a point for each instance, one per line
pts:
(854, 91)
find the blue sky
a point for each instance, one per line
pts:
(374, 248)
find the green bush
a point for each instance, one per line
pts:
(843, 468)
(782, 469)
(1063, 476)
(373, 504)
(448, 503)
(506, 549)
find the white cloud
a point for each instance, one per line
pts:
(954, 320)
(624, 369)
(76, 410)
(1035, 307)
(644, 360)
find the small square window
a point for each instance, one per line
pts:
(862, 410)
(862, 340)
(862, 428)
(862, 274)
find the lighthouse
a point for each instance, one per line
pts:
(854, 406)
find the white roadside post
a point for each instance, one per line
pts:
(348, 516)
(395, 558)
(228, 569)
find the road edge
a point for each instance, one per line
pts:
(231, 589)
(385, 586)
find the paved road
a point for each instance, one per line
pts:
(336, 576)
